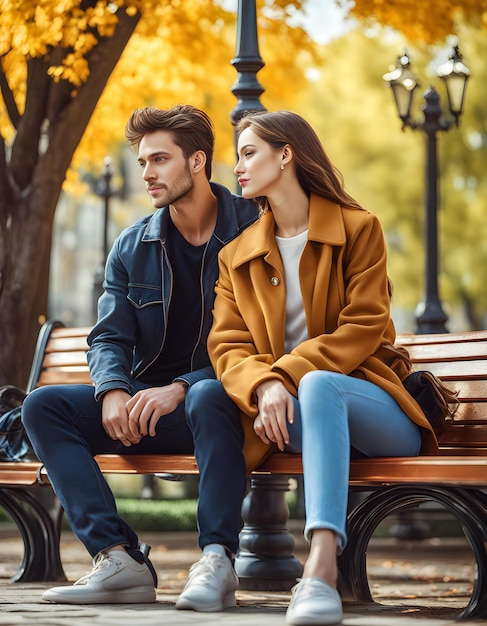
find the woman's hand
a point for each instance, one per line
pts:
(276, 410)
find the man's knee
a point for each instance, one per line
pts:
(206, 400)
(50, 401)
(206, 390)
(34, 404)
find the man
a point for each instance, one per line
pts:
(147, 347)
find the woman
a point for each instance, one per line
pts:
(302, 337)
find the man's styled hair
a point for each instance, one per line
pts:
(192, 129)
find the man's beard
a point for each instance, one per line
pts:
(181, 187)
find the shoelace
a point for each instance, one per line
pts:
(304, 590)
(100, 563)
(206, 566)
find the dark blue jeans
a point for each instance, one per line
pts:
(218, 438)
(64, 425)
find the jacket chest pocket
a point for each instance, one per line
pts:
(142, 296)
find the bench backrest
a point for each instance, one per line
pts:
(459, 359)
(60, 356)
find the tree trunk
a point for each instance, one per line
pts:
(29, 192)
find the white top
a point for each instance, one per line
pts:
(296, 329)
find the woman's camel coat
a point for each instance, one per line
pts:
(344, 284)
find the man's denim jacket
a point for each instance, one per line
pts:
(132, 312)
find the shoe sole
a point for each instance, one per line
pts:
(309, 620)
(228, 602)
(136, 595)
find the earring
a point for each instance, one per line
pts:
(282, 166)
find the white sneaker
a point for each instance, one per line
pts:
(314, 602)
(116, 578)
(211, 585)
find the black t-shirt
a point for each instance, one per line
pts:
(185, 307)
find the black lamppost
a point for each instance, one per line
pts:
(105, 191)
(265, 560)
(430, 316)
(247, 62)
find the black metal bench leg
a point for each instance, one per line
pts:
(468, 506)
(266, 561)
(40, 531)
(476, 531)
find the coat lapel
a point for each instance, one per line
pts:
(257, 244)
(326, 231)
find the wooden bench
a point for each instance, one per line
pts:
(455, 479)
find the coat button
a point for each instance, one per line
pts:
(275, 281)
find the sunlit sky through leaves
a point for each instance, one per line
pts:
(323, 19)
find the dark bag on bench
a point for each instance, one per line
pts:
(437, 402)
(14, 442)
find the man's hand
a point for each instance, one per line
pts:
(147, 407)
(276, 409)
(115, 417)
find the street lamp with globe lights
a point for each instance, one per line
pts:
(430, 316)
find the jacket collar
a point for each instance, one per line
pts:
(325, 226)
(227, 222)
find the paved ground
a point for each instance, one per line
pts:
(414, 584)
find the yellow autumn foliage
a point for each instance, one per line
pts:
(179, 52)
(422, 21)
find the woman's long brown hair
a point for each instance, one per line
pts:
(315, 172)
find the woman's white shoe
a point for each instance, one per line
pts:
(314, 602)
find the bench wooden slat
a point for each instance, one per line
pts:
(19, 474)
(469, 413)
(71, 331)
(60, 359)
(465, 470)
(448, 352)
(474, 335)
(471, 451)
(454, 470)
(469, 390)
(459, 434)
(64, 377)
(63, 344)
(147, 463)
(435, 470)
(457, 371)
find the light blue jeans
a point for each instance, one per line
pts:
(332, 413)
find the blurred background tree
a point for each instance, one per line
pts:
(428, 29)
(422, 21)
(353, 111)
